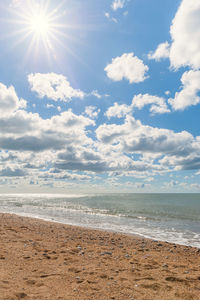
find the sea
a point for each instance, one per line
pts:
(165, 217)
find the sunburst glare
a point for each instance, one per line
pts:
(40, 24)
(43, 25)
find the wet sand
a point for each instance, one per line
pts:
(45, 260)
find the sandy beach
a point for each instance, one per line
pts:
(45, 260)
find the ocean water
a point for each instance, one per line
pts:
(165, 217)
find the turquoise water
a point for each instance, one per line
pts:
(167, 217)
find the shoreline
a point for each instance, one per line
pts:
(49, 260)
(125, 214)
(136, 235)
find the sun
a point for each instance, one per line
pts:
(40, 24)
(44, 27)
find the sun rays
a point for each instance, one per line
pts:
(43, 25)
(40, 24)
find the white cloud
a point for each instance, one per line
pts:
(185, 34)
(158, 104)
(178, 151)
(184, 51)
(96, 94)
(162, 51)
(128, 67)
(109, 17)
(9, 101)
(118, 111)
(19, 123)
(53, 86)
(10, 172)
(188, 95)
(92, 111)
(22, 131)
(133, 136)
(57, 175)
(116, 4)
(40, 148)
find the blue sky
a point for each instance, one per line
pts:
(99, 96)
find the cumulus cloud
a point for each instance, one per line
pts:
(53, 86)
(180, 150)
(9, 172)
(128, 67)
(19, 123)
(9, 101)
(81, 159)
(187, 162)
(29, 132)
(92, 111)
(189, 94)
(158, 104)
(118, 111)
(133, 136)
(184, 51)
(162, 51)
(63, 176)
(61, 147)
(185, 32)
(116, 4)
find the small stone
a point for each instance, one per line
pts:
(106, 253)
(79, 280)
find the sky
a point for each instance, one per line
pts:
(99, 96)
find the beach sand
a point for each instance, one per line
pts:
(45, 260)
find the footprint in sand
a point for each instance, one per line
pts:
(21, 295)
(154, 286)
(72, 269)
(175, 279)
(150, 267)
(31, 282)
